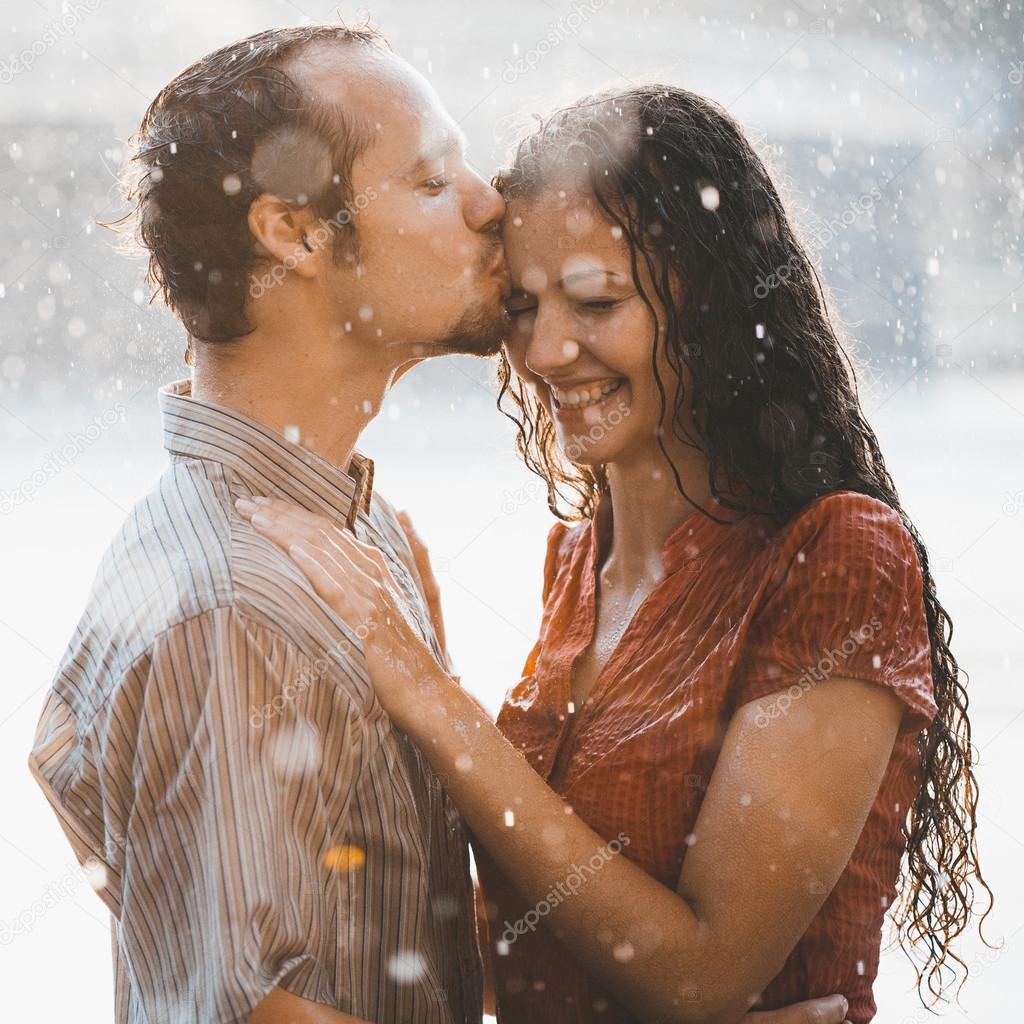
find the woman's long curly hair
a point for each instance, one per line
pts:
(774, 407)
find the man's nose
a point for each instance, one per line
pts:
(486, 209)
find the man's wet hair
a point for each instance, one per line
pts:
(237, 123)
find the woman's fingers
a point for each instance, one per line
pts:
(286, 523)
(420, 554)
(352, 578)
(345, 600)
(431, 591)
(283, 522)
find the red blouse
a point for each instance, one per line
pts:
(745, 610)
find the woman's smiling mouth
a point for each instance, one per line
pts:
(582, 396)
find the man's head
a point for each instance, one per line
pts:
(310, 176)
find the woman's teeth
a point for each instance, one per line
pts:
(581, 397)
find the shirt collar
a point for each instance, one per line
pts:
(269, 462)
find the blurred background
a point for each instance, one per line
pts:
(894, 133)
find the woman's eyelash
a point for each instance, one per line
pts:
(437, 182)
(596, 305)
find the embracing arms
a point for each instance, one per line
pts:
(778, 824)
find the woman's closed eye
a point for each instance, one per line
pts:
(600, 305)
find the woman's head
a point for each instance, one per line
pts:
(652, 259)
(724, 307)
(582, 336)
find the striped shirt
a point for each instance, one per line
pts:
(221, 766)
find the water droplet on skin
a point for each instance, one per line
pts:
(623, 952)
(534, 280)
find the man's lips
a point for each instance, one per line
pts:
(500, 270)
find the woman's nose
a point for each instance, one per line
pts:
(552, 346)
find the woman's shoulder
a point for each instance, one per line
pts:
(562, 540)
(843, 524)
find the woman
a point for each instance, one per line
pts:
(742, 708)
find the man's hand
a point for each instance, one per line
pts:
(827, 1010)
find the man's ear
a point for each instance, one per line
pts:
(282, 233)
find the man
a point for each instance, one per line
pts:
(254, 820)
(269, 847)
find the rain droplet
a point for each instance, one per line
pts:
(406, 966)
(709, 197)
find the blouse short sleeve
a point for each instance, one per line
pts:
(844, 600)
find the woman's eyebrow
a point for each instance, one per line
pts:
(584, 274)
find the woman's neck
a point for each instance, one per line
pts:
(646, 509)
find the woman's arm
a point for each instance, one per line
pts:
(777, 826)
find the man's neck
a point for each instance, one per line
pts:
(321, 408)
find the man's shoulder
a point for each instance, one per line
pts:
(167, 563)
(170, 559)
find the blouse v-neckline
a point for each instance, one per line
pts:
(696, 538)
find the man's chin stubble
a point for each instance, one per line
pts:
(480, 333)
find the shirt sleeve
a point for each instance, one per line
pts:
(845, 601)
(242, 758)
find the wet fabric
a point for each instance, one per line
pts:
(746, 610)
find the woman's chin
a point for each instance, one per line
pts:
(585, 453)
(595, 434)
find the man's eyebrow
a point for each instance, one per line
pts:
(441, 145)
